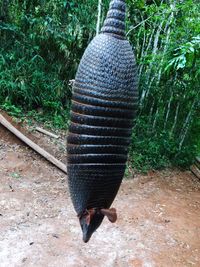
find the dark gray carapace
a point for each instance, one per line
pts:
(104, 105)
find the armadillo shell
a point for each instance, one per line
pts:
(99, 131)
(90, 100)
(101, 121)
(102, 111)
(103, 108)
(81, 139)
(94, 149)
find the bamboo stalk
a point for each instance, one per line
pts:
(150, 116)
(154, 52)
(168, 110)
(31, 144)
(155, 49)
(143, 45)
(142, 22)
(151, 110)
(141, 56)
(164, 52)
(155, 118)
(138, 46)
(99, 17)
(167, 39)
(145, 53)
(145, 92)
(175, 118)
(186, 124)
(157, 112)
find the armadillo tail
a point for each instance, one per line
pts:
(115, 20)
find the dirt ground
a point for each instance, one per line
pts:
(158, 216)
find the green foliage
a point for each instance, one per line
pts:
(185, 55)
(11, 109)
(41, 43)
(166, 38)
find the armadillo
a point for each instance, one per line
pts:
(104, 105)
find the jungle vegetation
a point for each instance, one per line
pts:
(41, 43)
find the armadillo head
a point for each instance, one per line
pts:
(114, 23)
(91, 219)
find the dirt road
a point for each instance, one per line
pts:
(158, 224)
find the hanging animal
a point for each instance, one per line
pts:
(104, 105)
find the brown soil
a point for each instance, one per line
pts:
(158, 216)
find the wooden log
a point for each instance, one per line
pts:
(197, 163)
(31, 144)
(46, 132)
(195, 171)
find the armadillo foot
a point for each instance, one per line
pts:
(110, 213)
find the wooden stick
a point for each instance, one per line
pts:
(46, 132)
(31, 144)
